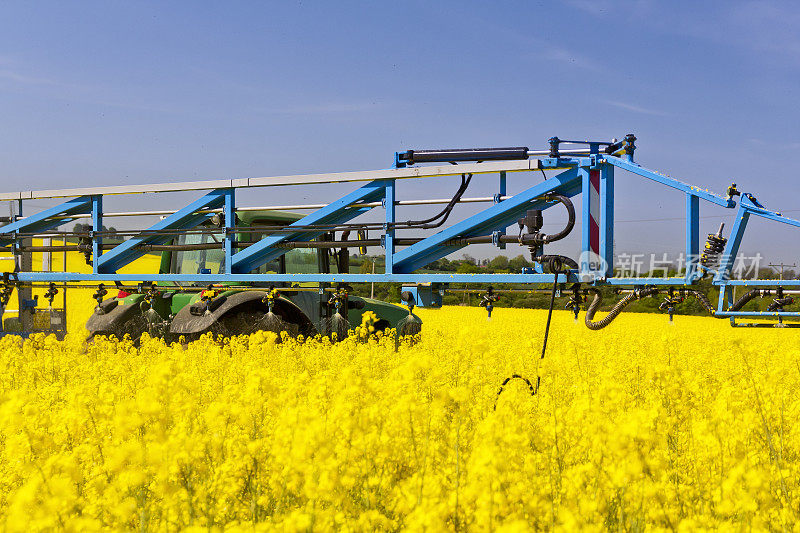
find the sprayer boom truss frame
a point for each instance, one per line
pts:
(588, 172)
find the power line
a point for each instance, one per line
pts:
(672, 219)
(781, 266)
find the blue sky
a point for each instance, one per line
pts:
(113, 92)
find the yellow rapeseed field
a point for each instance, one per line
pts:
(644, 425)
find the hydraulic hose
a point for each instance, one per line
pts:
(567, 203)
(443, 214)
(616, 310)
(635, 295)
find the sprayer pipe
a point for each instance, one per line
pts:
(291, 207)
(215, 246)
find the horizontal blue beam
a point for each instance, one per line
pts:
(368, 278)
(763, 314)
(669, 182)
(763, 324)
(640, 282)
(202, 279)
(44, 220)
(498, 216)
(760, 282)
(338, 212)
(678, 282)
(184, 218)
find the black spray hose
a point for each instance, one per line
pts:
(561, 259)
(616, 310)
(533, 390)
(566, 202)
(636, 295)
(704, 301)
(779, 303)
(735, 306)
(749, 295)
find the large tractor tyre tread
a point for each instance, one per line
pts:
(134, 327)
(253, 316)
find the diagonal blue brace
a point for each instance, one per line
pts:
(669, 182)
(187, 217)
(499, 216)
(338, 212)
(754, 206)
(44, 220)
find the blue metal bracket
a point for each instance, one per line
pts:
(496, 239)
(754, 207)
(388, 236)
(498, 197)
(692, 236)
(229, 211)
(97, 225)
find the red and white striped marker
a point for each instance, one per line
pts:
(594, 215)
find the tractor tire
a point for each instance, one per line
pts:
(134, 327)
(250, 320)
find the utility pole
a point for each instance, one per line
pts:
(372, 285)
(781, 266)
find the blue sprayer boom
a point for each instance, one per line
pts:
(255, 255)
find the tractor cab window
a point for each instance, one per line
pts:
(212, 261)
(302, 261)
(316, 260)
(295, 260)
(198, 261)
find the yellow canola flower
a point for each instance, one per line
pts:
(643, 425)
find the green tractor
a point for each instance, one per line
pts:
(172, 310)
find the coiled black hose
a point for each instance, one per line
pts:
(559, 259)
(615, 311)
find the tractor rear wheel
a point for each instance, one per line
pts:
(134, 327)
